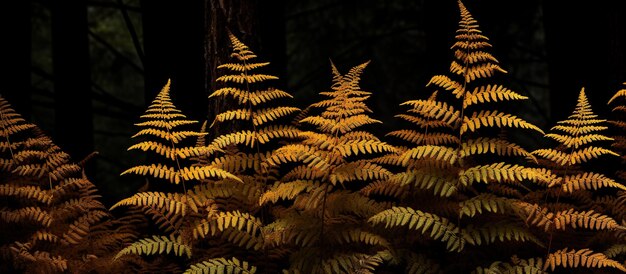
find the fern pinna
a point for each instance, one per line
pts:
(319, 214)
(53, 221)
(251, 126)
(618, 129)
(176, 213)
(461, 176)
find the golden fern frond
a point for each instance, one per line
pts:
(156, 245)
(350, 263)
(488, 118)
(436, 227)
(358, 170)
(541, 217)
(486, 202)
(176, 176)
(578, 141)
(499, 172)
(222, 221)
(576, 157)
(245, 79)
(222, 266)
(34, 214)
(79, 229)
(443, 185)
(439, 153)
(580, 258)
(419, 138)
(589, 181)
(618, 94)
(27, 192)
(255, 98)
(342, 126)
(285, 191)
(172, 203)
(503, 232)
(518, 266)
(11, 122)
(356, 147)
(491, 93)
(434, 110)
(492, 145)
(448, 84)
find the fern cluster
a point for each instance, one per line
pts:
(52, 219)
(277, 189)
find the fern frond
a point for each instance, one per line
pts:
(173, 203)
(488, 118)
(440, 153)
(491, 145)
(222, 266)
(358, 170)
(434, 110)
(503, 232)
(156, 245)
(439, 228)
(580, 258)
(574, 158)
(488, 203)
(499, 172)
(420, 138)
(589, 181)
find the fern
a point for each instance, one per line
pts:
(222, 266)
(50, 210)
(331, 161)
(157, 245)
(453, 151)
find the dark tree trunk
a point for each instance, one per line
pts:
(16, 56)
(173, 38)
(258, 24)
(72, 78)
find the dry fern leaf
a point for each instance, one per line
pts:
(488, 203)
(488, 118)
(500, 173)
(439, 153)
(589, 181)
(222, 266)
(443, 185)
(580, 258)
(491, 145)
(420, 138)
(434, 110)
(173, 203)
(502, 231)
(432, 225)
(156, 245)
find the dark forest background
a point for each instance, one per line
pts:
(84, 70)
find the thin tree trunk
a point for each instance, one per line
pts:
(16, 56)
(72, 77)
(238, 17)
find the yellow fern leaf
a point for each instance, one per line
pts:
(491, 93)
(434, 110)
(494, 119)
(439, 228)
(580, 258)
(222, 266)
(156, 245)
(440, 153)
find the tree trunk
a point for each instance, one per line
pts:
(16, 56)
(72, 77)
(173, 38)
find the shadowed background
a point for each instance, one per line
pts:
(84, 70)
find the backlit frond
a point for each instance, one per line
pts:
(157, 245)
